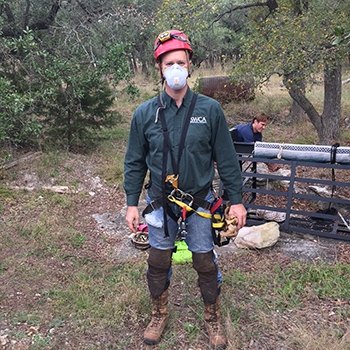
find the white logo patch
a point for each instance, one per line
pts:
(198, 120)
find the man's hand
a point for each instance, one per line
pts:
(132, 218)
(239, 211)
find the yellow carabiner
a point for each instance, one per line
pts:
(179, 203)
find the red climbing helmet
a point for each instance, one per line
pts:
(171, 40)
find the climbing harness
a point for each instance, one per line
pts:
(223, 227)
(170, 181)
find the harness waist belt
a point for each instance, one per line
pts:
(198, 202)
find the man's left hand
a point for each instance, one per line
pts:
(239, 211)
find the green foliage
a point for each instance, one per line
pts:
(114, 63)
(285, 44)
(62, 100)
(212, 39)
(132, 91)
(75, 101)
(17, 124)
(56, 85)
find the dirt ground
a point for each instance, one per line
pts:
(105, 211)
(101, 214)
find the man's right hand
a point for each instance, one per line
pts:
(132, 218)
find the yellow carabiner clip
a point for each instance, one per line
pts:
(188, 208)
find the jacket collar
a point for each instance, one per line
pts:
(167, 100)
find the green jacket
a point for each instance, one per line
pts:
(207, 141)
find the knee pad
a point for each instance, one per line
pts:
(159, 263)
(207, 271)
(159, 259)
(204, 262)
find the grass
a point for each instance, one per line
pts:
(293, 285)
(115, 142)
(61, 287)
(49, 164)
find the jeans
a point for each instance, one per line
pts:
(199, 232)
(199, 236)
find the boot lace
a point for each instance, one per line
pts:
(156, 319)
(213, 321)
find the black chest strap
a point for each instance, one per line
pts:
(167, 149)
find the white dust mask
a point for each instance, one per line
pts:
(176, 76)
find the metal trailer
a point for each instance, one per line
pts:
(305, 212)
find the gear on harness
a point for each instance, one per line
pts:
(173, 180)
(224, 226)
(182, 230)
(185, 201)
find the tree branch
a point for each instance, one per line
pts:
(12, 30)
(84, 8)
(271, 4)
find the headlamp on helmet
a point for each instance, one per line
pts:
(171, 40)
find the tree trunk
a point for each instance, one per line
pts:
(331, 104)
(297, 114)
(327, 124)
(133, 63)
(144, 68)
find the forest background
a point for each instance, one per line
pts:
(63, 62)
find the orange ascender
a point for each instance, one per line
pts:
(173, 179)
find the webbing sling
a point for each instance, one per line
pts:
(167, 149)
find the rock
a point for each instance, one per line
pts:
(57, 189)
(321, 191)
(260, 236)
(271, 215)
(4, 339)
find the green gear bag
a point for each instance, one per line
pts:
(182, 254)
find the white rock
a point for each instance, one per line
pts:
(4, 339)
(260, 236)
(57, 189)
(271, 215)
(321, 191)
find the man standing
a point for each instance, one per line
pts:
(251, 132)
(177, 136)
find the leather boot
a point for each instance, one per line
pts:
(215, 330)
(160, 315)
